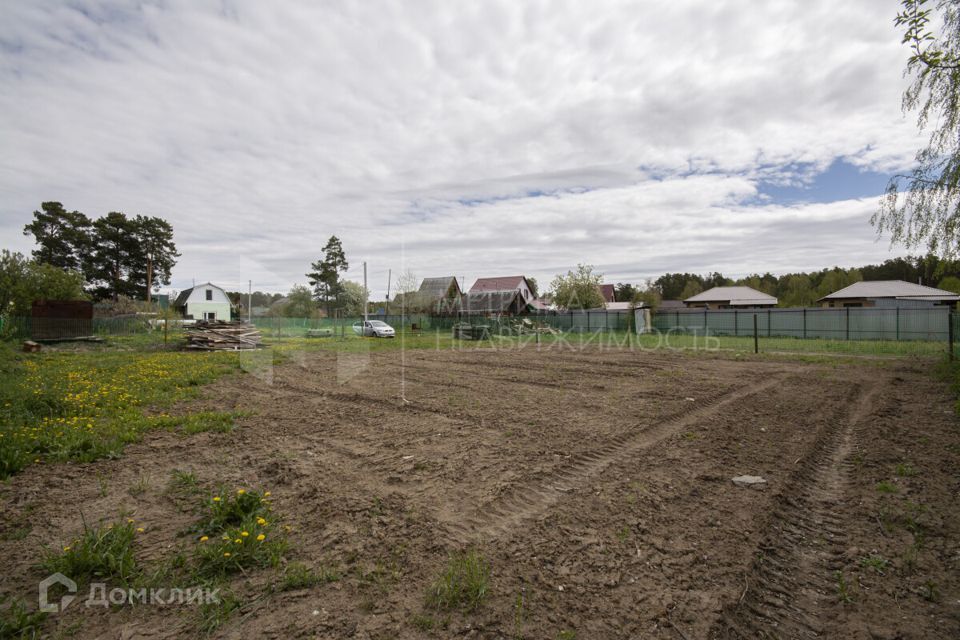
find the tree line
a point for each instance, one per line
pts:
(112, 257)
(116, 255)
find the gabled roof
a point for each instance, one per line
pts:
(182, 298)
(506, 283)
(436, 288)
(899, 289)
(736, 296)
(607, 291)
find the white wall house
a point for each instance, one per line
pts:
(203, 302)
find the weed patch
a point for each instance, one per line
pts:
(16, 621)
(463, 585)
(85, 406)
(101, 553)
(237, 531)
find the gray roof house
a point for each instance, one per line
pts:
(441, 295)
(888, 293)
(731, 298)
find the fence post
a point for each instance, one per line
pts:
(676, 324)
(704, 320)
(736, 322)
(804, 322)
(756, 340)
(898, 323)
(950, 332)
(769, 317)
(848, 323)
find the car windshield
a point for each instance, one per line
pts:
(377, 323)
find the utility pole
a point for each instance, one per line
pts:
(389, 277)
(149, 277)
(249, 301)
(365, 294)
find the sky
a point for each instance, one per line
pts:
(489, 138)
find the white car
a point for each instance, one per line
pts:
(373, 329)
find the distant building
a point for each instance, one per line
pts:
(731, 298)
(672, 305)
(889, 293)
(608, 293)
(509, 302)
(507, 283)
(439, 295)
(203, 302)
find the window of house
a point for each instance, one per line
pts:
(209, 294)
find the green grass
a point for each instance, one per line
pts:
(876, 563)
(85, 405)
(463, 584)
(905, 470)
(885, 486)
(183, 482)
(844, 594)
(299, 576)
(16, 621)
(98, 553)
(213, 615)
(291, 339)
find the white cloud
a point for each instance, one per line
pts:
(259, 129)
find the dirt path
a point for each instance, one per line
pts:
(793, 587)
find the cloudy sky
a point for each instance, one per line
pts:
(461, 138)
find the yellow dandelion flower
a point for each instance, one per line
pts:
(261, 537)
(238, 541)
(204, 538)
(140, 529)
(244, 534)
(226, 554)
(130, 520)
(216, 498)
(266, 494)
(261, 522)
(226, 537)
(66, 548)
(240, 492)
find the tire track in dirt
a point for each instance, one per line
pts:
(791, 583)
(505, 512)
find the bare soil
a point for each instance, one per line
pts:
(597, 485)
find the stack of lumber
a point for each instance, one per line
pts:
(218, 335)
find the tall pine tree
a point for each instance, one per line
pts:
(324, 276)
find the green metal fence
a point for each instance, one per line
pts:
(931, 324)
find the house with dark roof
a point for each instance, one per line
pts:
(890, 294)
(731, 298)
(493, 303)
(203, 302)
(519, 284)
(608, 293)
(439, 295)
(506, 295)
